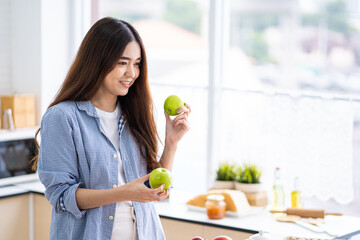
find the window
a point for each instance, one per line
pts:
(174, 33)
(281, 90)
(290, 95)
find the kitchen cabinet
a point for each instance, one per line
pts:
(14, 217)
(42, 217)
(180, 230)
(30, 213)
(25, 215)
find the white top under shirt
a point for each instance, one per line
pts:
(109, 122)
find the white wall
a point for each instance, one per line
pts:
(5, 46)
(26, 48)
(63, 26)
(38, 41)
(55, 59)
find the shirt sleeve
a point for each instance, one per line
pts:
(58, 163)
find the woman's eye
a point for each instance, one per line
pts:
(122, 63)
(137, 64)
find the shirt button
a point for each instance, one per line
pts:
(114, 186)
(115, 156)
(111, 217)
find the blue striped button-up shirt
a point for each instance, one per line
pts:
(75, 153)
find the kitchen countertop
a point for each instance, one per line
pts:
(260, 219)
(21, 188)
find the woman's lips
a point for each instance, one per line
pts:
(126, 84)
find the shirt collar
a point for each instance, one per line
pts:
(87, 107)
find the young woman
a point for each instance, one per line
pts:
(99, 141)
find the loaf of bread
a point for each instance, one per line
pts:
(235, 200)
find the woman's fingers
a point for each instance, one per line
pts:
(159, 189)
(183, 109)
(188, 107)
(138, 192)
(162, 195)
(182, 122)
(159, 193)
(144, 178)
(165, 194)
(181, 116)
(186, 110)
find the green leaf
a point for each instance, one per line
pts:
(226, 172)
(248, 173)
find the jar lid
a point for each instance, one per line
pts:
(215, 197)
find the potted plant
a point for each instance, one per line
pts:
(248, 178)
(225, 176)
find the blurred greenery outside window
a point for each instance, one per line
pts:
(296, 45)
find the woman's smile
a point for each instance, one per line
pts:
(126, 84)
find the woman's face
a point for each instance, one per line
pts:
(126, 71)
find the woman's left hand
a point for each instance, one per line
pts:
(177, 127)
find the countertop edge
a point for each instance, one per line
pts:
(209, 224)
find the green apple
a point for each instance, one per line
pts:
(160, 176)
(172, 104)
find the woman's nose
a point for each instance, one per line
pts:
(130, 71)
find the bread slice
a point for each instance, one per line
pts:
(235, 200)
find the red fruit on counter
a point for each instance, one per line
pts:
(198, 238)
(222, 238)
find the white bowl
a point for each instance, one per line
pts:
(223, 184)
(249, 187)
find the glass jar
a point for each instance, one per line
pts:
(215, 206)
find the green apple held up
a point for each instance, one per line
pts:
(160, 176)
(172, 104)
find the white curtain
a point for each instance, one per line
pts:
(311, 138)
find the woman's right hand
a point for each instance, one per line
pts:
(137, 191)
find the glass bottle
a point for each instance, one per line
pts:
(278, 195)
(296, 195)
(215, 206)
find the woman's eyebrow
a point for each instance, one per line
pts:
(127, 58)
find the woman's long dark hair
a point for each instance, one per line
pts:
(98, 54)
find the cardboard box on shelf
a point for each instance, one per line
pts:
(22, 107)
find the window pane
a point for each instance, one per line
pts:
(174, 34)
(297, 45)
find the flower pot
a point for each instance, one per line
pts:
(223, 184)
(249, 187)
